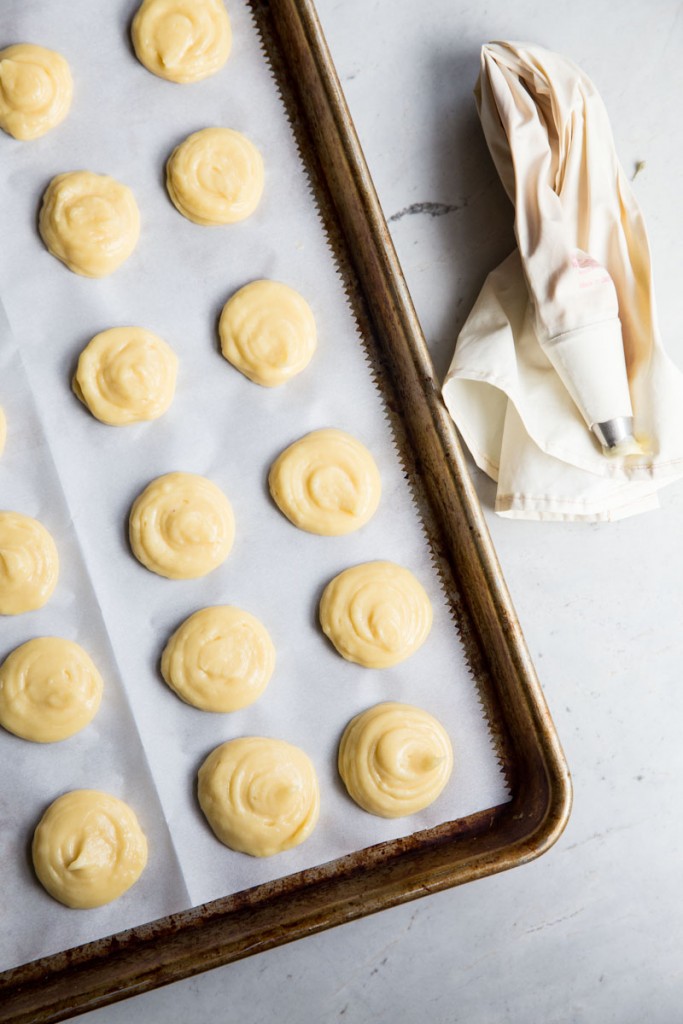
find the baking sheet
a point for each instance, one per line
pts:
(80, 478)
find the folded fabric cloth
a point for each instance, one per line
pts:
(563, 336)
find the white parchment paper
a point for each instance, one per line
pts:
(80, 477)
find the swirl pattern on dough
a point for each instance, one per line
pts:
(268, 332)
(395, 759)
(29, 564)
(215, 176)
(181, 526)
(90, 222)
(126, 375)
(35, 90)
(376, 614)
(88, 849)
(182, 40)
(326, 483)
(49, 690)
(219, 659)
(260, 796)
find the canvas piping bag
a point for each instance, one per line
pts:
(563, 337)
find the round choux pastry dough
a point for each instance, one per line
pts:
(29, 564)
(219, 659)
(260, 796)
(181, 526)
(3, 430)
(88, 849)
(182, 40)
(215, 176)
(35, 90)
(395, 759)
(89, 221)
(267, 331)
(376, 614)
(126, 375)
(326, 483)
(49, 690)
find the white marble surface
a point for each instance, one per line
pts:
(592, 931)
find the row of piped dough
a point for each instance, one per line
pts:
(128, 374)
(181, 526)
(325, 483)
(91, 222)
(260, 796)
(221, 658)
(180, 40)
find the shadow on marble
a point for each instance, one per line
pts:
(477, 232)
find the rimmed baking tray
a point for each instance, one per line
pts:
(492, 840)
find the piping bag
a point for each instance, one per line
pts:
(559, 382)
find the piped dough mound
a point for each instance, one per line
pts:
(126, 375)
(88, 849)
(268, 332)
(35, 90)
(376, 614)
(90, 222)
(182, 40)
(260, 796)
(395, 759)
(49, 690)
(3, 430)
(219, 659)
(215, 176)
(29, 564)
(181, 526)
(326, 483)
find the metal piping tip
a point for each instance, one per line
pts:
(613, 433)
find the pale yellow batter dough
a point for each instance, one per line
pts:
(268, 332)
(219, 659)
(89, 221)
(49, 690)
(126, 375)
(326, 483)
(376, 614)
(395, 759)
(260, 796)
(182, 40)
(215, 177)
(29, 564)
(181, 526)
(3, 430)
(88, 849)
(35, 90)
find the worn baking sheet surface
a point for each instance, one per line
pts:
(80, 478)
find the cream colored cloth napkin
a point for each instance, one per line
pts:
(575, 214)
